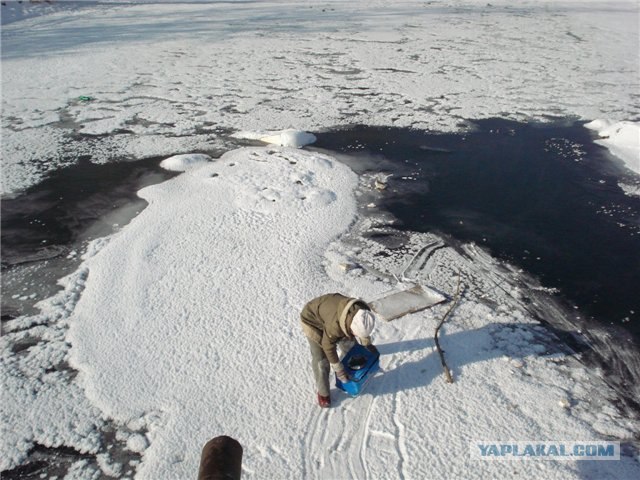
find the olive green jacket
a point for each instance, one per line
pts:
(327, 319)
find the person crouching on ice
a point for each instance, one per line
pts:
(330, 321)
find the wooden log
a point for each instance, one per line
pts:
(221, 459)
(445, 367)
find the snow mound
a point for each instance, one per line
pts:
(137, 443)
(621, 138)
(290, 138)
(225, 258)
(182, 163)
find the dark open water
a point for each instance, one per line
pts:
(542, 197)
(44, 228)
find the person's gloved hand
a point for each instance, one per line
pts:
(372, 348)
(343, 376)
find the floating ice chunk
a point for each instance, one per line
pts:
(598, 124)
(112, 469)
(137, 443)
(622, 139)
(290, 138)
(517, 363)
(182, 163)
(564, 403)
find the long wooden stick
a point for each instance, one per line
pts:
(447, 372)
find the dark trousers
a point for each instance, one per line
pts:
(320, 365)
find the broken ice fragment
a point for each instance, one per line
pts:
(290, 138)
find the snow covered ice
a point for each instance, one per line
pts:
(286, 138)
(181, 163)
(622, 138)
(184, 324)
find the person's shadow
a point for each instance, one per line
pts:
(462, 348)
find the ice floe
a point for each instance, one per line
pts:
(184, 162)
(622, 139)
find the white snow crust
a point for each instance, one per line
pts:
(183, 325)
(284, 138)
(622, 139)
(184, 162)
(290, 138)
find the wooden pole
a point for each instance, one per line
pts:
(221, 459)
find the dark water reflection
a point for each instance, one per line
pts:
(45, 227)
(543, 197)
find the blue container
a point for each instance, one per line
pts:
(360, 364)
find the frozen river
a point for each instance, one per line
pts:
(471, 114)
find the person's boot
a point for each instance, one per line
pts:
(324, 402)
